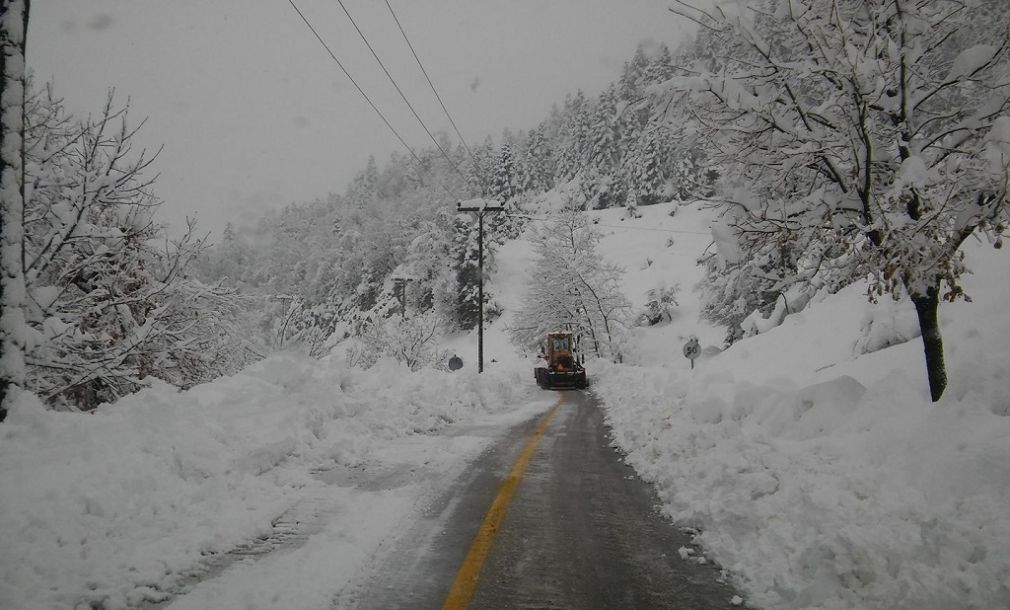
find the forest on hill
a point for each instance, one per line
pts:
(330, 263)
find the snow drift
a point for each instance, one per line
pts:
(113, 507)
(811, 459)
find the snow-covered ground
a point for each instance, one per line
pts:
(122, 505)
(818, 476)
(815, 468)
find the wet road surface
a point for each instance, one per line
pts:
(581, 531)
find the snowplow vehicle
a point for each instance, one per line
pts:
(563, 370)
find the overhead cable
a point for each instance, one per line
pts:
(398, 90)
(354, 82)
(462, 140)
(627, 227)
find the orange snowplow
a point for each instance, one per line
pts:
(563, 370)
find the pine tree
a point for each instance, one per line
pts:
(465, 257)
(482, 169)
(660, 68)
(506, 182)
(652, 180)
(602, 182)
(537, 175)
(576, 146)
(364, 189)
(632, 76)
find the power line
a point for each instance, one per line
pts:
(653, 229)
(462, 140)
(628, 227)
(398, 90)
(354, 82)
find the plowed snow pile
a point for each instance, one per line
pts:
(817, 470)
(113, 508)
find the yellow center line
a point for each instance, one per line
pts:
(466, 579)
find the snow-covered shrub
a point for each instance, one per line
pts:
(111, 303)
(409, 341)
(660, 303)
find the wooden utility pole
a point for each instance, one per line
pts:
(481, 207)
(400, 292)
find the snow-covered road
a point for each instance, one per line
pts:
(339, 532)
(580, 531)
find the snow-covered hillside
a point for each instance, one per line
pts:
(809, 458)
(820, 476)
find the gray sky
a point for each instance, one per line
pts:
(253, 113)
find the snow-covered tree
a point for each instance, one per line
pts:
(875, 126)
(659, 304)
(646, 166)
(537, 169)
(575, 141)
(13, 32)
(481, 170)
(465, 258)
(108, 297)
(408, 340)
(202, 332)
(506, 175)
(600, 176)
(630, 86)
(660, 67)
(428, 260)
(572, 287)
(364, 188)
(230, 257)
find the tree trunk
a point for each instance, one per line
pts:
(926, 307)
(13, 31)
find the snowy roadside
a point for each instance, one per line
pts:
(822, 478)
(117, 507)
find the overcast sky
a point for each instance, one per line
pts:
(253, 113)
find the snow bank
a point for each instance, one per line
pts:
(821, 477)
(111, 507)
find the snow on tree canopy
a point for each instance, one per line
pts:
(845, 126)
(971, 60)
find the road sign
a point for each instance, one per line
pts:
(692, 349)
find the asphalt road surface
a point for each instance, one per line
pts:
(580, 531)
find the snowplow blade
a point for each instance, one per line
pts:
(560, 380)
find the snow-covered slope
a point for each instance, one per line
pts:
(820, 477)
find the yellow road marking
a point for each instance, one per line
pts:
(466, 579)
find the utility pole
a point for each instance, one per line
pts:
(481, 207)
(400, 291)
